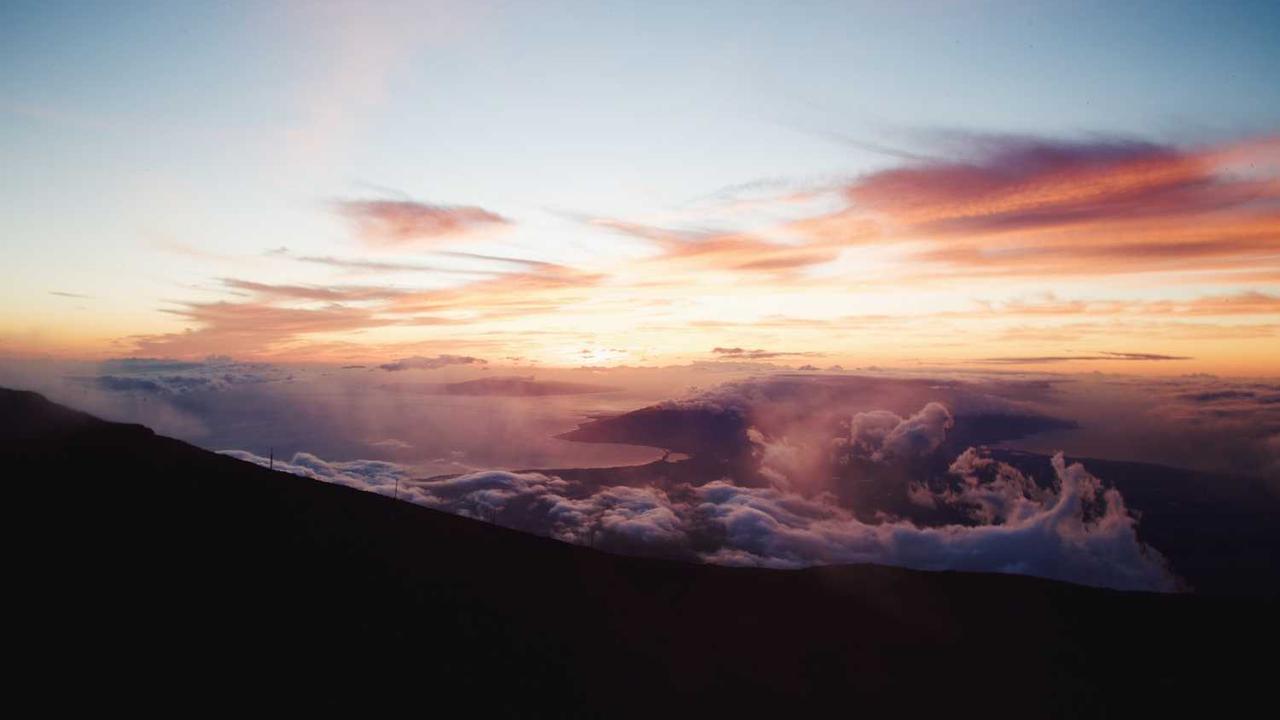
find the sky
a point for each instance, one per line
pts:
(966, 184)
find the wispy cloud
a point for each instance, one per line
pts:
(270, 319)
(738, 353)
(947, 250)
(419, 362)
(313, 292)
(1039, 359)
(1045, 207)
(252, 328)
(365, 266)
(400, 223)
(724, 251)
(1050, 305)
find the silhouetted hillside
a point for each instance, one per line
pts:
(148, 572)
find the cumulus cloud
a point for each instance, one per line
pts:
(881, 434)
(988, 491)
(805, 454)
(419, 362)
(1055, 538)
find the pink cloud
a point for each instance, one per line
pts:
(392, 223)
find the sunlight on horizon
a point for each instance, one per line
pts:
(336, 183)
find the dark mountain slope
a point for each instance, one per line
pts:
(147, 572)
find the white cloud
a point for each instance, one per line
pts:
(1077, 531)
(1053, 538)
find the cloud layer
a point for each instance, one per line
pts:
(176, 377)
(1068, 528)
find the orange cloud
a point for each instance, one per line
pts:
(896, 267)
(1034, 207)
(314, 292)
(373, 267)
(1105, 356)
(251, 328)
(725, 251)
(544, 287)
(293, 320)
(1247, 303)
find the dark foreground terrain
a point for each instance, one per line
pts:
(144, 572)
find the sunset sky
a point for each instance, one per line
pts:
(1067, 186)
